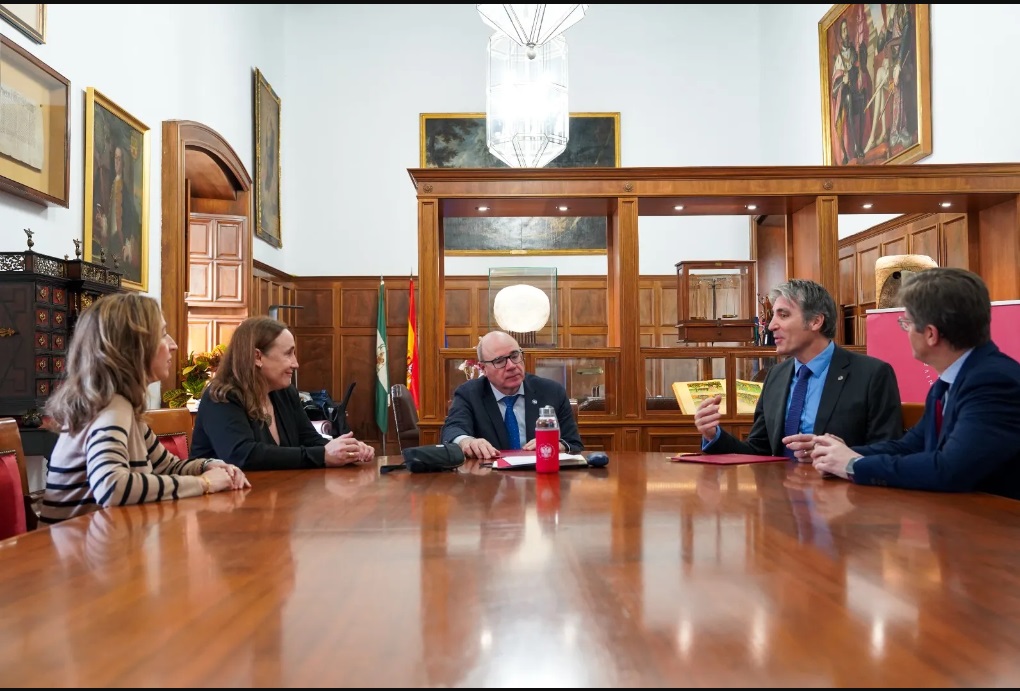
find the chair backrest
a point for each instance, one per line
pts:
(16, 513)
(405, 417)
(912, 414)
(173, 427)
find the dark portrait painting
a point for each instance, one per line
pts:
(457, 140)
(876, 84)
(267, 162)
(116, 189)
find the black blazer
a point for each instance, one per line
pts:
(224, 430)
(475, 412)
(978, 448)
(860, 404)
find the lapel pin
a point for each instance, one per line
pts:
(839, 378)
(534, 402)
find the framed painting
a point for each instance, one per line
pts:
(875, 65)
(116, 189)
(28, 19)
(35, 127)
(457, 140)
(267, 162)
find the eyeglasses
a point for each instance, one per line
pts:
(905, 323)
(514, 356)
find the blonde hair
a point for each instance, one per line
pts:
(110, 353)
(237, 374)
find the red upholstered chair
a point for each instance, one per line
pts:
(16, 513)
(173, 427)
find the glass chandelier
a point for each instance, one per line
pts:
(527, 119)
(531, 25)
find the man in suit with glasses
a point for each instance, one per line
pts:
(498, 411)
(969, 437)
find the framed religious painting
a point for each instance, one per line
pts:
(35, 124)
(457, 140)
(875, 65)
(116, 190)
(267, 162)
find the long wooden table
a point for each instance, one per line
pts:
(647, 573)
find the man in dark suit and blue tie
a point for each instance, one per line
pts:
(969, 437)
(499, 410)
(818, 388)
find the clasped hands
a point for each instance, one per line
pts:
(345, 450)
(223, 476)
(826, 452)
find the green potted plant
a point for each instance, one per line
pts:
(198, 370)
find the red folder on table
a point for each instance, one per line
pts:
(724, 458)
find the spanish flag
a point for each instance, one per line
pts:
(412, 347)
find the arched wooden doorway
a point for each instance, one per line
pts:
(201, 172)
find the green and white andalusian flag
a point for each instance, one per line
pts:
(382, 377)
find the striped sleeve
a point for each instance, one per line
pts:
(118, 468)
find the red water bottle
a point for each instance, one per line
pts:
(547, 441)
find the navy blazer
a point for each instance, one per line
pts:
(978, 448)
(224, 430)
(475, 412)
(860, 403)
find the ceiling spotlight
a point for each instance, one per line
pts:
(482, 208)
(563, 208)
(946, 205)
(678, 207)
(751, 207)
(867, 205)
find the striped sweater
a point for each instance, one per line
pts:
(116, 460)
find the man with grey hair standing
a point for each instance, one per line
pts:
(969, 437)
(818, 388)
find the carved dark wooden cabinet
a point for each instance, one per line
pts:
(40, 300)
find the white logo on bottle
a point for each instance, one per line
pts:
(545, 450)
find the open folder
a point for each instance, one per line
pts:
(724, 458)
(511, 460)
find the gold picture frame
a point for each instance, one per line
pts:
(875, 63)
(457, 140)
(28, 19)
(35, 159)
(116, 190)
(267, 162)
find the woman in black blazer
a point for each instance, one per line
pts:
(251, 414)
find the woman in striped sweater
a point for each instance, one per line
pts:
(106, 454)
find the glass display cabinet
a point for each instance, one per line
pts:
(716, 302)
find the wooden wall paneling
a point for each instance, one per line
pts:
(317, 354)
(672, 439)
(318, 309)
(895, 243)
(769, 250)
(229, 280)
(867, 255)
(229, 240)
(847, 276)
(923, 238)
(200, 335)
(804, 242)
(999, 255)
(466, 312)
(958, 248)
(223, 330)
(597, 438)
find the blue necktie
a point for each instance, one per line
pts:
(792, 425)
(937, 393)
(510, 420)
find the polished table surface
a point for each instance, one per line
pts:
(647, 573)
